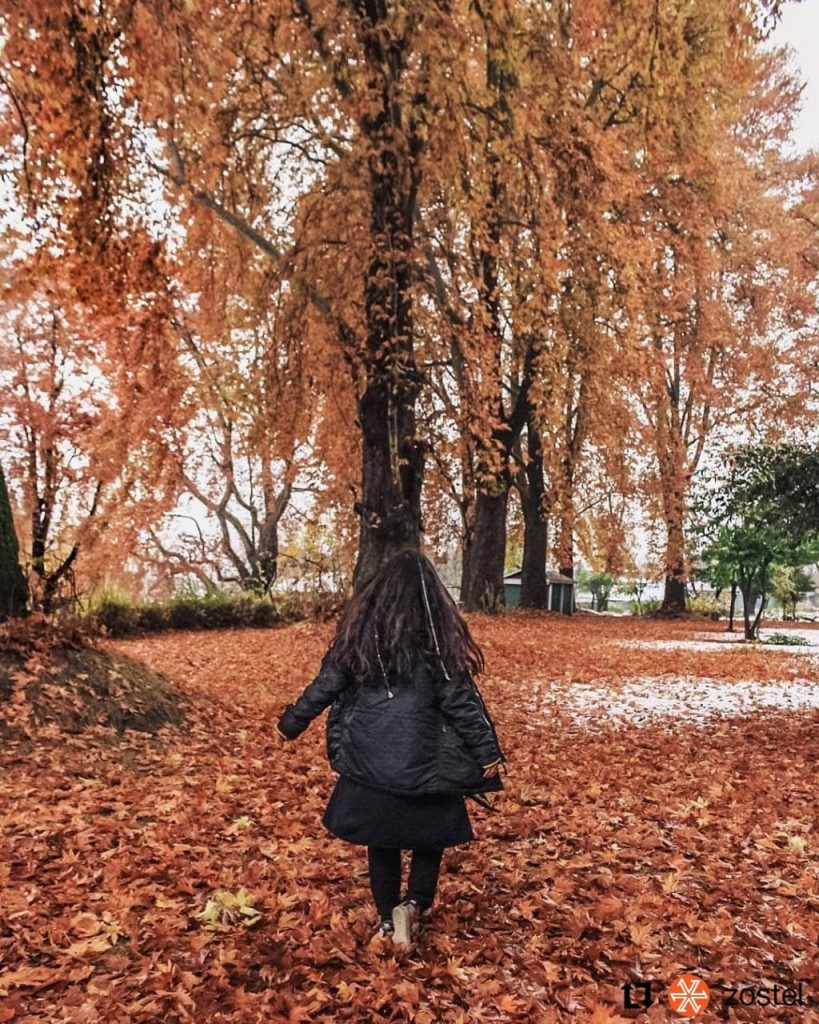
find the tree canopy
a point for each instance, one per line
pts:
(373, 272)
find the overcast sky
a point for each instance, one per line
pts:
(799, 28)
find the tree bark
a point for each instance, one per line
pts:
(485, 554)
(732, 609)
(265, 565)
(485, 546)
(565, 537)
(482, 583)
(749, 596)
(390, 509)
(392, 458)
(13, 586)
(674, 594)
(533, 500)
(671, 453)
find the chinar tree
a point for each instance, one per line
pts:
(238, 112)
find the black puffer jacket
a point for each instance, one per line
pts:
(433, 736)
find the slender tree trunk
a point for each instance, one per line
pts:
(575, 429)
(485, 544)
(763, 600)
(532, 490)
(265, 559)
(674, 469)
(671, 458)
(749, 597)
(565, 542)
(745, 589)
(13, 587)
(732, 610)
(265, 566)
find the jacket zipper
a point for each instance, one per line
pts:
(486, 719)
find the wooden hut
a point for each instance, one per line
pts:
(559, 590)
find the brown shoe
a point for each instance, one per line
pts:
(405, 920)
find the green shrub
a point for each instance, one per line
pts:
(105, 594)
(787, 640)
(118, 615)
(289, 606)
(646, 607)
(253, 610)
(706, 606)
(191, 611)
(154, 617)
(261, 613)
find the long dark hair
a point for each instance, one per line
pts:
(402, 614)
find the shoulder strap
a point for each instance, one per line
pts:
(483, 802)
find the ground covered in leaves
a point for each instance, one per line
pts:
(185, 875)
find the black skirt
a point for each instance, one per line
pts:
(372, 817)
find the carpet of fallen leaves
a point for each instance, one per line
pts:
(616, 854)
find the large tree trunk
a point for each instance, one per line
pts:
(674, 593)
(390, 508)
(485, 556)
(13, 588)
(674, 509)
(392, 458)
(485, 543)
(482, 580)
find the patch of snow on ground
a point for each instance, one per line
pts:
(643, 699)
(735, 642)
(686, 645)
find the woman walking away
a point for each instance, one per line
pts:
(408, 733)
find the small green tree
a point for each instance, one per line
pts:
(720, 570)
(789, 584)
(757, 512)
(754, 549)
(636, 588)
(13, 587)
(600, 584)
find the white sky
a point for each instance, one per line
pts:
(799, 28)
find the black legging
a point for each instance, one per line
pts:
(385, 877)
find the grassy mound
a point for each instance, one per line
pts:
(50, 678)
